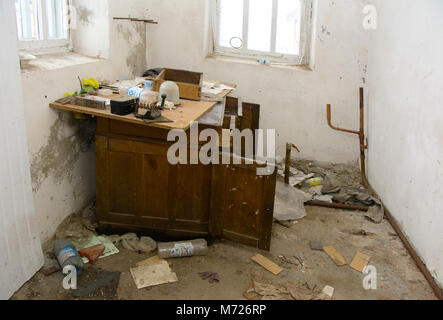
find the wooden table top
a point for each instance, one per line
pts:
(182, 117)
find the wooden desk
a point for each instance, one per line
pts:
(139, 190)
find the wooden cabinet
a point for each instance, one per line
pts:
(138, 190)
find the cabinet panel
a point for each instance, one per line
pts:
(242, 205)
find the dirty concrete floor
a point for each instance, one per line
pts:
(397, 275)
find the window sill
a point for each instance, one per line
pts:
(249, 61)
(56, 61)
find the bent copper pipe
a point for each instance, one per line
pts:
(360, 133)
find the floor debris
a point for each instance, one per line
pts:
(289, 202)
(360, 262)
(264, 291)
(150, 261)
(96, 283)
(153, 274)
(131, 241)
(110, 248)
(315, 245)
(341, 184)
(328, 292)
(267, 264)
(51, 266)
(335, 256)
(92, 253)
(211, 276)
(361, 232)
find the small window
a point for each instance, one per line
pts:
(42, 25)
(275, 30)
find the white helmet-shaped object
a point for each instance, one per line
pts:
(170, 89)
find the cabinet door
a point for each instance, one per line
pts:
(242, 205)
(137, 189)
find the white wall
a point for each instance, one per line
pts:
(21, 254)
(293, 101)
(405, 121)
(60, 148)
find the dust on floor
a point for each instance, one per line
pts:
(397, 274)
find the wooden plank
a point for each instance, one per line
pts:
(267, 264)
(335, 256)
(360, 262)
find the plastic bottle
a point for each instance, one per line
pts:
(197, 247)
(67, 254)
(135, 92)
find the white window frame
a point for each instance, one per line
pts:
(45, 45)
(305, 37)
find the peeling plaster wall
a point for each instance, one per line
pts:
(293, 101)
(61, 148)
(405, 100)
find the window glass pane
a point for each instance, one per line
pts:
(27, 19)
(230, 23)
(260, 25)
(288, 27)
(55, 18)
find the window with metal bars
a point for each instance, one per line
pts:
(275, 30)
(42, 25)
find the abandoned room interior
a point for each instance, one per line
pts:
(221, 150)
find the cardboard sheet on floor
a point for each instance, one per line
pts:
(267, 264)
(150, 261)
(335, 256)
(360, 262)
(152, 272)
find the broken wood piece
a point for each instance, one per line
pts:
(92, 253)
(267, 264)
(360, 262)
(335, 256)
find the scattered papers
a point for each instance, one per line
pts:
(211, 87)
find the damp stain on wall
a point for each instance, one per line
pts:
(68, 139)
(135, 36)
(84, 15)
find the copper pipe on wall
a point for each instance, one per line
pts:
(361, 133)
